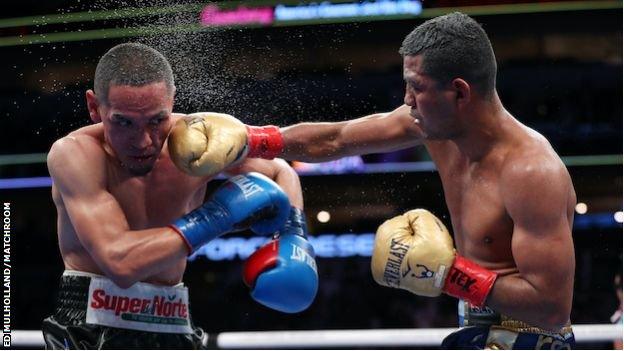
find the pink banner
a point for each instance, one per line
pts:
(212, 16)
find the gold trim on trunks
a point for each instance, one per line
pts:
(522, 327)
(512, 324)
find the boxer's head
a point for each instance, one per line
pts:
(133, 99)
(448, 63)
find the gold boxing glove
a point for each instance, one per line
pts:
(414, 251)
(204, 144)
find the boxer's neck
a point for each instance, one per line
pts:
(486, 125)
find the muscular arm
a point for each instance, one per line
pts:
(540, 202)
(279, 171)
(78, 168)
(384, 132)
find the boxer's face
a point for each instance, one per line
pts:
(136, 123)
(432, 104)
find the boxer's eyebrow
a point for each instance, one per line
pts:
(158, 118)
(121, 119)
(119, 116)
(412, 81)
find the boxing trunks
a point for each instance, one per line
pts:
(93, 313)
(483, 328)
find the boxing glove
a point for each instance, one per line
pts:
(414, 251)
(204, 144)
(244, 201)
(282, 274)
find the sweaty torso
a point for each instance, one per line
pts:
(481, 225)
(153, 200)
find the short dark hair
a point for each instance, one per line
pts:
(454, 46)
(131, 64)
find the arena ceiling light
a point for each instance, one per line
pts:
(323, 216)
(581, 208)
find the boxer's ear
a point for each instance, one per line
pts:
(92, 105)
(462, 90)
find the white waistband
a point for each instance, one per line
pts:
(142, 306)
(73, 273)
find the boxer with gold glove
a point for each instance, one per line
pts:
(206, 143)
(414, 251)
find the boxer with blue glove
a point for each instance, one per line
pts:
(282, 274)
(120, 187)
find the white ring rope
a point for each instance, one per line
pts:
(342, 338)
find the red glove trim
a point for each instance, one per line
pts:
(264, 258)
(469, 281)
(188, 245)
(264, 142)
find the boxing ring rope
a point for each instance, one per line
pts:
(341, 338)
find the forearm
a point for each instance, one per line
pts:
(381, 132)
(140, 254)
(288, 180)
(313, 142)
(514, 296)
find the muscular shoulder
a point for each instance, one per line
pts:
(95, 131)
(75, 146)
(75, 157)
(533, 177)
(532, 158)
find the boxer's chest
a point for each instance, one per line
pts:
(158, 198)
(481, 226)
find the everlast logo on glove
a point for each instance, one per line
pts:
(141, 307)
(246, 186)
(301, 255)
(392, 272)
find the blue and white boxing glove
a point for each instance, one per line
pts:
(282, 274)
(244, 201)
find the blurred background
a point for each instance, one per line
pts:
(271, 62)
